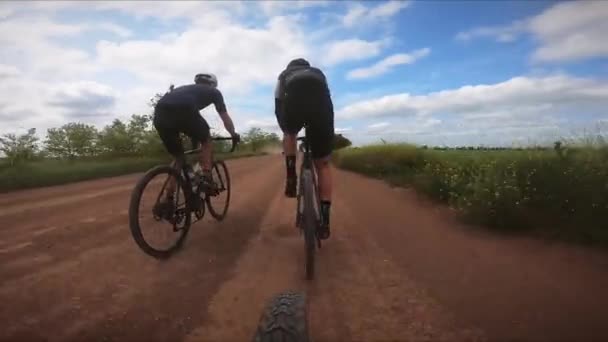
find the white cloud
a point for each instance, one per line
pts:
(82, 99)
(8, 71)
(405, 128)
(109, 27)
(197, 11)
(272, 7)
(503, 34)
(388, 8)
(36, 31)
(5, 12)
(340, 130)
(516, 94)
(33, 28)
(354, 14)
(379, 125)
(177, 60)
(565, 32)
(351, 50)
(571, 31)
(53, 79)
(387, 64)
(358, 13)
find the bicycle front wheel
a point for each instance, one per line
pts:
(159, 229)
(219, 199)
(285, 318)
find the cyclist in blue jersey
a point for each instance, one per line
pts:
(178, 112)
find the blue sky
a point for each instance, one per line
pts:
(429, 72)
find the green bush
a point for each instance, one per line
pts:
(515, 189)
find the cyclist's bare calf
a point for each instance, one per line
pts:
(325, 182)
(204, 158)
(321, 165)
(290, 144)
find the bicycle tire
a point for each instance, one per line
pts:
(285, 318)
(134, 225)
(309, 222)
(217, 165)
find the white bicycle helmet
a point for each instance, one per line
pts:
(208, 78)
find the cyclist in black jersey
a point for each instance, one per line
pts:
(178, 112)
(302, 96)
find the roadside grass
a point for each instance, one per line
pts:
(55, 172)
(561, 193)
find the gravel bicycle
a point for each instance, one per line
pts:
(308, 217)
(194, 199)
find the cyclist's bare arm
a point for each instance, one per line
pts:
(227, 122)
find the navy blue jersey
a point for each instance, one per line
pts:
(197, 96)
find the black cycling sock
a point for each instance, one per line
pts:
(325, 209)
(290, 163)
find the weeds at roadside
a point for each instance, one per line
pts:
(502, 189)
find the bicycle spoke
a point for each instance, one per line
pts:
(158, 226)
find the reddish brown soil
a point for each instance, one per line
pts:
(394, 269)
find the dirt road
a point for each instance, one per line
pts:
(394, 269)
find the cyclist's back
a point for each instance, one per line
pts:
(178, 112)
(195, 96)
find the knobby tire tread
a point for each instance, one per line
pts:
(134, 226)
(217, 165)
(284, 319)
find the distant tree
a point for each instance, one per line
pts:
(72, 140)
(138, 129)
(152, 145)
(19, 148)
(255, 138)
(114, 139)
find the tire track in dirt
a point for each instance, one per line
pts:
(358, 294)
(266, 266)
(16, 198)
(394, 269)
(24, 226)
(114, 291)
(515, 288)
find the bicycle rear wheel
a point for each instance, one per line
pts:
(155, 181)
(309, 222)
(285, 318)
(218, 201)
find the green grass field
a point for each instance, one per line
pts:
(55, 172)
(560, 194)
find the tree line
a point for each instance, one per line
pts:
(133, 137)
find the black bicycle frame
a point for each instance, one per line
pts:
(307, 164)
(185, 165)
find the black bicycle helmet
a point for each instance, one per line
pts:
(298, 62)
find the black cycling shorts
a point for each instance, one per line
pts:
(314, 108)
(171, 120)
